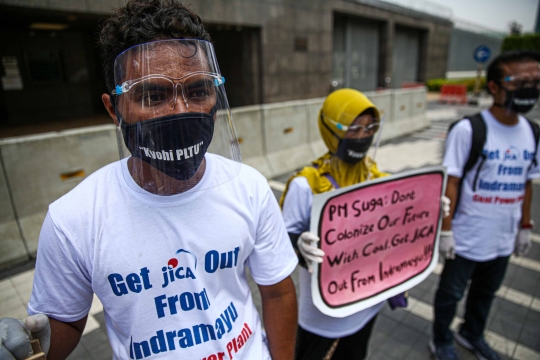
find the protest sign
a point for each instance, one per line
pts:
(380, 238)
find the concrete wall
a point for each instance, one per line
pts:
(282, 137)
(462, 46)
(74, 93)
(288, 73)
(39, 169)
(435, 38)
(13, 247)
(438, 41)
(81, 6)
(274, 138)
(296, 37)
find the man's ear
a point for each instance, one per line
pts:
(106, 98)
(493, 87)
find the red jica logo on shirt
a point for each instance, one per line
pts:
(172, 271)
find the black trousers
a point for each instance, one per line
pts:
(314, 347)
(486, 278)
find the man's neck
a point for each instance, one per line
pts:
(155, 182)
(503, 115)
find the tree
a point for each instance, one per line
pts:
(515, 28)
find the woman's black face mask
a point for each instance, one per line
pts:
(353, 151)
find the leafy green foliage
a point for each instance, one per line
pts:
(435, 84)
(521, 42)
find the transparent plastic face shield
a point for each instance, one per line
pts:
(173, 115)
(367, 130)
(522, 80)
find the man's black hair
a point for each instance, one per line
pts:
(494, 70)
(141, 21)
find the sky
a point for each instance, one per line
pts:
(492, 14)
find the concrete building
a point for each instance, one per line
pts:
(465, 38)
(268, 50)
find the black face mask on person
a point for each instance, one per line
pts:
(520, 100)
(173, 144)
(353, 151)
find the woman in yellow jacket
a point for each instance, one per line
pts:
(348, 122)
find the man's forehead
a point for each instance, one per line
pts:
(173, 59)
(521, 67)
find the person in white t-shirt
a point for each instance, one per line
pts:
(347, 121)
(493, 216)
(163, 237)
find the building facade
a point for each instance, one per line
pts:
(268, 50)
(464, 40)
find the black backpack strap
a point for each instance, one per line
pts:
(536, 132)
(479, 136)
(478, 139)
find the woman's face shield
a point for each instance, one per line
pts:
(172, 109)
(363, 126)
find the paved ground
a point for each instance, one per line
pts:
(514, 324)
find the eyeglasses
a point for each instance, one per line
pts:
(367, 129)
(519, 81)
(198, 90)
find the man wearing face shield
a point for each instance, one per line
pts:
(348, 122)
(163, 236)
(493, 218)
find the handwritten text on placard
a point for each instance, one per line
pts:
(377, 237)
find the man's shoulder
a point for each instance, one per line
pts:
(460, 132)
(250, 173)
(462, 126)
(530, 124)
(245, 174)
(85, 193)
(231, 176)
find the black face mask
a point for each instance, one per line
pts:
(173, 144)
(521, 100)
(353, 151)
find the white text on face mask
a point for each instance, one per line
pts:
(525, 102)
(168, 155)
(355, 154)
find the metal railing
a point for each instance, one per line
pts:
(417, 8)
(468, 26)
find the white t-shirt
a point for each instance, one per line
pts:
(297, 216)
(169, 270)
(486, 222)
